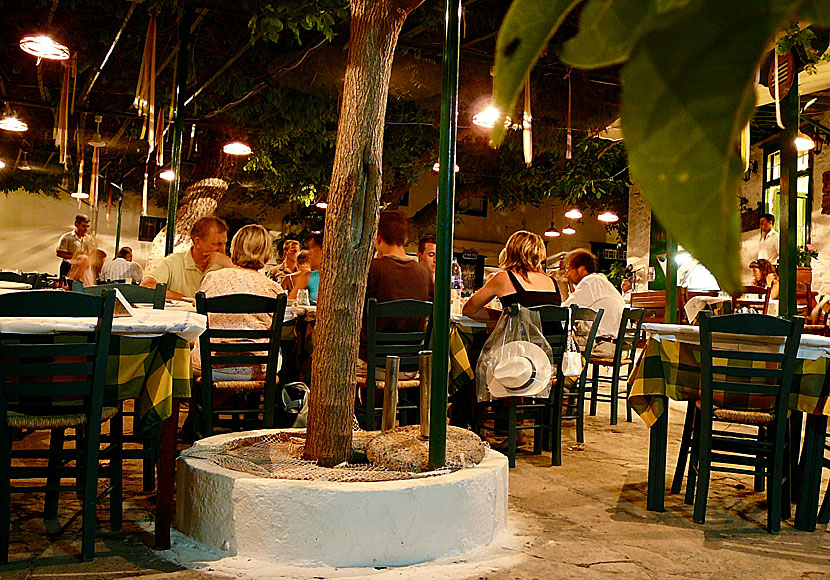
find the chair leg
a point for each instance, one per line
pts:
(511, 432)
(90, 492)
(685, 448)
(703, 471)
(556, 426)
(628, 416)
(580, 407)
(824, 512)
(116, 469)
(786, 484)
(207, 409)
(694, 461)
(5, 495)
(53, 480)
(615, 393)
(774, 493)
(760, 464)
(594, 389)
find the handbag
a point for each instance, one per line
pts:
(571, 358)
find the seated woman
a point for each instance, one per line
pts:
(251, 248)
(310, 279)
(764, 275)
(522, 281)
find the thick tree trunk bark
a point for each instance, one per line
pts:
(351, 223)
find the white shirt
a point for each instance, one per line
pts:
(594, 291)
(768, 246)
(121, 269)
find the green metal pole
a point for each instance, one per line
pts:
(446, 219)
(788, 218)
(118, 223)
(178, 126)
(671, 280)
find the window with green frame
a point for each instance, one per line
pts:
(772, 190)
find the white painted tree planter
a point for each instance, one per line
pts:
(312, 523)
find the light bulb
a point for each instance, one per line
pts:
(236, 148)
(573, 214)
(168, 175)
(608, 217)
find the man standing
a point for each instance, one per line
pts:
(122, 267)
(183, 271)
(594, 291)
(426, 253)
(75, 242)
(289, 265)
(768, 245)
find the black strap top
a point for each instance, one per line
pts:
(529, 298)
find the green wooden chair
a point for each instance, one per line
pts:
(15, 277)
(405, 344)
(753, 392)
(222, 347)
(585, 322)
(628, 335)
(40, 389)
(149, 439)
(134, 293)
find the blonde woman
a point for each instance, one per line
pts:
(522, 280)
(251, 248)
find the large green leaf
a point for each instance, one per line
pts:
(687, 94)
(524, 33)
(816, 11)
(608, 30)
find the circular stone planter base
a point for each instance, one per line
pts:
(390, 523)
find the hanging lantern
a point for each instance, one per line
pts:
(42, 46)
(237, 148)
(12, 123)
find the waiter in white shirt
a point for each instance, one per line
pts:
(594, 291)
(768, 246)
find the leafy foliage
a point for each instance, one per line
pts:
(687, 95)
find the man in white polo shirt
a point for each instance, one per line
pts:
(594, 291)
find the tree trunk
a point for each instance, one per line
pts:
(351, 223)
(208, 184)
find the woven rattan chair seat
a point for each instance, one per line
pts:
(402, 383)
(24, 421)
(742, 416)
(596, 360)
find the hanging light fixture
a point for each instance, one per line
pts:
(608, 217)
(24, 165)
(167, 175)
(2, 164)
(42, 46)
(236, 148)
(436, 167)
(552, 232)
(569, 230)
(322, 204)
(803, 142)
(488, 117)
(573, 214)
(12, 123)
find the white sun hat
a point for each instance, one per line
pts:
(523, 369)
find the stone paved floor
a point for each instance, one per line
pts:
(586, 519)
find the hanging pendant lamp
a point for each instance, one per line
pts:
(42, 46)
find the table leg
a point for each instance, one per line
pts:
(657, 445)
(811, 462)
(166, 478)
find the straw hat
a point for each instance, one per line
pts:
(523, 369)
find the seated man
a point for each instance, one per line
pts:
(122, 267)
(594, 291)
(393, 275)
(183, 271)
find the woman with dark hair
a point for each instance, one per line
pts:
(522, 280)
(765, 276)
(310, 279)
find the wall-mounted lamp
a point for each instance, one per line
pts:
(753, 168)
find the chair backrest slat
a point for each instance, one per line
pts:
(554, 326)
(777, 357)
(47, 369)
(745, 387)
(29, 350)
(134, 293)
(747, 372)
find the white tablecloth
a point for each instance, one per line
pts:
(698, 303)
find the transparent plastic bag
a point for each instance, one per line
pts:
(516, 360)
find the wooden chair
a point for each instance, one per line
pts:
(543, 416)
(134, 293)
(654, 304)
(41, 389)
(573, 399)
(756, 393)
(382, 343)
(628, 335)
(755, 297)
(233, 347)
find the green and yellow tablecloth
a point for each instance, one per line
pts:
(152, 370)
(671, 369)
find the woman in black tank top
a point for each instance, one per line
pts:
(523, 280)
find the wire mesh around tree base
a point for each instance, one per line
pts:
(279, 455)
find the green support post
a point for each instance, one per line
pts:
(446, 219)
(788, 226)
(671, 280)
(178, 126)
(118, 223)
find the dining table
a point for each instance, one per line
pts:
(149, 361)
(669, 368)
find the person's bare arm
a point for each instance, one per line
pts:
(149, 282)
(475, 306)
(300, 282)
(63, 254)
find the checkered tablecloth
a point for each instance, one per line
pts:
(152, 370)
(671, 368)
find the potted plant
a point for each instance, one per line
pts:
(804, 273)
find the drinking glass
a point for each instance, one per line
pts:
(302, 297)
